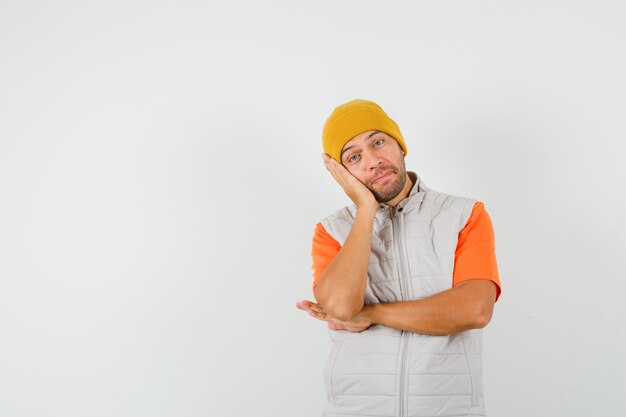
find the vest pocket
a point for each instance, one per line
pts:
(329, 369)
(474, 369)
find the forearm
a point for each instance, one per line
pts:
(341, 287)
(453, 311)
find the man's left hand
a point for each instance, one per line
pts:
(356, 324)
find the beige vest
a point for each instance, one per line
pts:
(385, 372)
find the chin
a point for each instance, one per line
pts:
(388, 193)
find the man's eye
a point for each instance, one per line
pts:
(379, 142)
(353, 158)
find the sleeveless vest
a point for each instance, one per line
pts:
(384, 372)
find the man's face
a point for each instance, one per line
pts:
(376, 159)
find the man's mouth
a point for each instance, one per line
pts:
(381, 177)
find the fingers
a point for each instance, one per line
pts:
(317, 311)
(327, 158)
(314, 309)
(352, 186)
(320, 315)
(311, 307)
(334, 167)
(337, 170)
(341, 175)
(306, 305)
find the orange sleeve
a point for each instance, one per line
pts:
(324, 250)
(475, 255)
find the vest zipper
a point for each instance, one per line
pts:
(398, 236)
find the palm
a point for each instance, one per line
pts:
(357, 324)
(355, 189)
(350, 326)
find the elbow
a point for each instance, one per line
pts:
(482, 322)
(343, 314)
(481, 317)
(342, 311)
(341, 308)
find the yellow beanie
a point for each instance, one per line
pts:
(353, 118)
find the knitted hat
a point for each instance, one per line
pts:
(353, 118)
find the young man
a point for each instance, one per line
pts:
(406, 278)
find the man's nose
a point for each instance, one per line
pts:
(373, 162)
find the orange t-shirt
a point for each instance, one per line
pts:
(474, 258)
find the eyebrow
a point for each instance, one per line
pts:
(352, 146)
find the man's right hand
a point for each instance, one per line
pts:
(356, 324)
(360, 195)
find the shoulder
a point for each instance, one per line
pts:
(346, 214)
(445, 201)
(444, 204)
(479, 219)
(339, 223)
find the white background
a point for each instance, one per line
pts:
(160, 178)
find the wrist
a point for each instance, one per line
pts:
(369, 313)
(367, 210)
